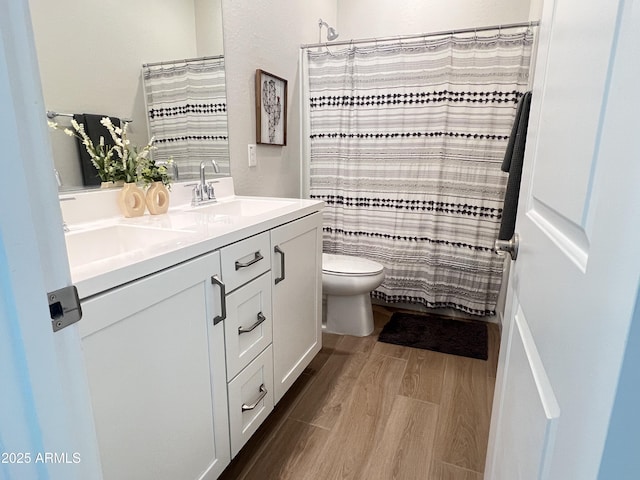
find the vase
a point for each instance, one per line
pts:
(131, 200)
(157, 198)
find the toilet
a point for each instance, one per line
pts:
(347, 282)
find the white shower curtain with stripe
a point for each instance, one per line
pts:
(187, 112)
(406, 144)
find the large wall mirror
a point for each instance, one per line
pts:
(91, 55)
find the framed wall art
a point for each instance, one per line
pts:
(271, 109)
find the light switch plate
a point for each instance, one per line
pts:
(252, 155)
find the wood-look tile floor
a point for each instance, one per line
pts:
(375, 411)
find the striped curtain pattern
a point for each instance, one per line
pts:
(406, 146)
(187, 111)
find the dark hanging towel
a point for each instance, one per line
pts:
(94, 130)
(512, 163)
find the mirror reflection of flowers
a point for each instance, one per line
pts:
(102, 157)
(151, 172)
(130, 157)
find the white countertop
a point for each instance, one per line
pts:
(183, 233)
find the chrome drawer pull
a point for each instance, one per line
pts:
(261, 318)
(255, 259)
(263, 393)
(277, 249)
(223, 300)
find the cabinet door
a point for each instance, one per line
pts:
(247, 328)
(155, 365)
(296, 291)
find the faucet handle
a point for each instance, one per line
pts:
(196, 192)
(210, 191)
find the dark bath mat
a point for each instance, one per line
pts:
(467, 338)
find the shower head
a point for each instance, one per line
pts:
(331, 32)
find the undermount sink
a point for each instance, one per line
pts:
(242, 207)
(106, 244)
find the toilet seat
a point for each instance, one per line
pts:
(347, 265)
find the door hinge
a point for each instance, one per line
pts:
(64, 307)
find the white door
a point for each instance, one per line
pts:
(46, 428)
(574, 284)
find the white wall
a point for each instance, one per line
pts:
(266, 35)
(91, 53)
(384, 18)
(209, 38)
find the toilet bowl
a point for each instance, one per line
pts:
(347, 282)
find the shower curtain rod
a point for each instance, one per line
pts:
(184, 60)
(534, 23)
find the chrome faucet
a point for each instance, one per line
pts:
(175, 174)
(203, 192)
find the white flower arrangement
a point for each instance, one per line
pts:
(130, 158)
(119, 162)
(101, 156)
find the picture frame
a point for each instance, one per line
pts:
(271, 109)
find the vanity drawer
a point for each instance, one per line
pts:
(250, 399)
(247, 329)
(245, 260)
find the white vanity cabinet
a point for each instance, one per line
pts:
(156, 370)
(188, 352)
(297, 298)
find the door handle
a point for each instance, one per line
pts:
(508, 246)
(223, 300)
(277, 249)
